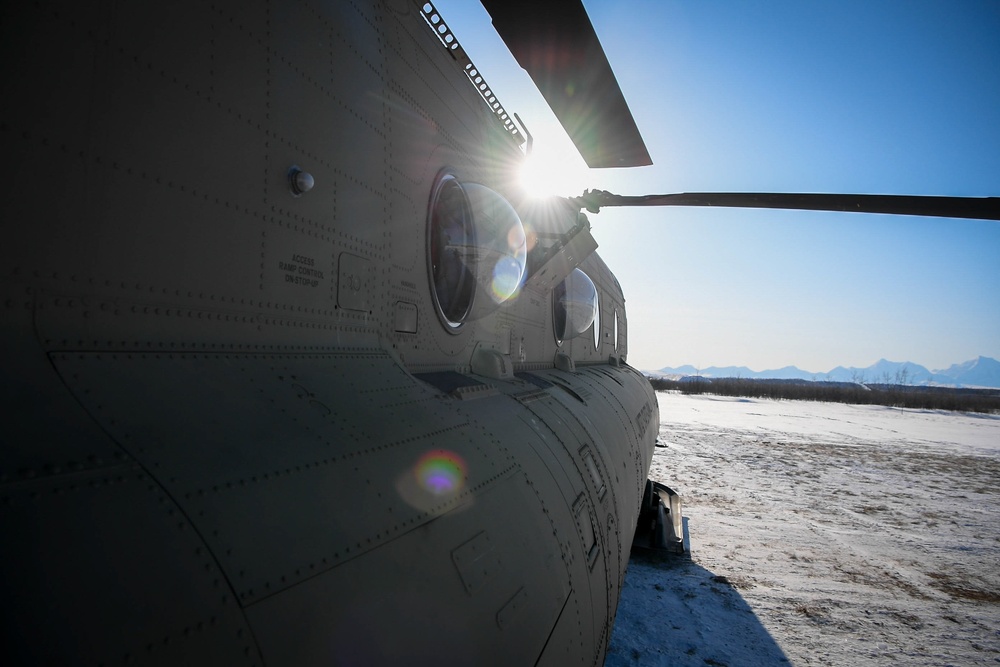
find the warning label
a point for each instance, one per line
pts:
(301, 270)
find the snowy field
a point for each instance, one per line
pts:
(821, 534)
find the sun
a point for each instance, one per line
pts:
(548, 174)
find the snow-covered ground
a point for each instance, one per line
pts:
(821, 534)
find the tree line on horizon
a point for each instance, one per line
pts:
(889, 394)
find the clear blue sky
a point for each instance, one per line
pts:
(869, 97)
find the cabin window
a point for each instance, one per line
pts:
(597, 321)
(450, 231)
(574, 306)
(477, 252)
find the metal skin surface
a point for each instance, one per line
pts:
(236, 431)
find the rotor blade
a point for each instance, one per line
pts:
(983, 208)
(555, 42)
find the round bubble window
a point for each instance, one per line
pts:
(476, 251)
(597, 322)
(574, 305)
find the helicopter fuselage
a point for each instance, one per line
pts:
(249, 422)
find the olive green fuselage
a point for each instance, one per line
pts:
(237, 429)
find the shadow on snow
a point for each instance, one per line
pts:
(675, 612)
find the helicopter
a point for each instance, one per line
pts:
(295, 373)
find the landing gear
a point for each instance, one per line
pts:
(660, 525)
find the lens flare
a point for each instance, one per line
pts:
(440, 472)
(516, 238)
(507, 276)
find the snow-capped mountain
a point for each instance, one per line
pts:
(980, 372)
(885, 372)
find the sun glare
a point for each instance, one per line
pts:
(546, 175)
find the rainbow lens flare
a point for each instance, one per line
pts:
(440, 472)
(506, 278)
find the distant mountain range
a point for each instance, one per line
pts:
(980, 372)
